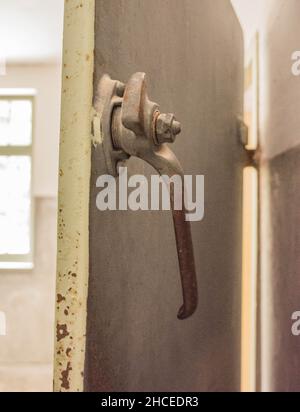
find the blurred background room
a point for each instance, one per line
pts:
(30, 55)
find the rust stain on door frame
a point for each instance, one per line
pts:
(73, 196)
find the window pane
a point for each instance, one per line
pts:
(15, 122)
(15, 174)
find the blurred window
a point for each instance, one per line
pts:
(16, 215)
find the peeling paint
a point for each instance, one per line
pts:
(60, 298)
(65, 377)
(61, 332)
(73, 196)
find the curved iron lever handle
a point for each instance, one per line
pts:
(166, 163)
(133, 126)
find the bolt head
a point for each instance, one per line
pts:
(167, 128)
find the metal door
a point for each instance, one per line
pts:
(192, 53)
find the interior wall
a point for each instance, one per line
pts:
(277, 22)
(279, 88)
(27, 296)
(280, 202)
(27, 300)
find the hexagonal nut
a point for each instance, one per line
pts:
(166, 128)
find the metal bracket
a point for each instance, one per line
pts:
(243, 131)
(107, 99)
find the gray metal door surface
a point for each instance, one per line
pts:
(192, 53)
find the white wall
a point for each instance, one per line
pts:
(46, 79)
(279, 89)
(279, 133)
(274, 19)
(28, 297)
(31, 44)
(31, 30)
(277, 22)
(250, 14)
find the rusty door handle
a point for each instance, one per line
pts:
(132, 125)
(166, 163)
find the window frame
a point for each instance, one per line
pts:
(21, 261)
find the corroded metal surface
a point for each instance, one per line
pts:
(193, 50)
(74, 176)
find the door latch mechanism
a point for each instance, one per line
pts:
(132, 125)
